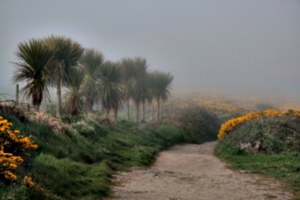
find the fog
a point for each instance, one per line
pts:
(247, 46)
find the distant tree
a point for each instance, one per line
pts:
(73, 98)
(67, 55)
(35, 61)
(91, 63)
(111, 87)
(128, 74)
(140, 68)
(146, 94)
(161, 83)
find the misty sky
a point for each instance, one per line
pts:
(235, 44)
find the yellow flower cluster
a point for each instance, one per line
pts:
(12, 144)
(28, 181)
(232, 123)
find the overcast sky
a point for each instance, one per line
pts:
(231, 44)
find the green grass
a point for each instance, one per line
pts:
(79, 163)
(285, 167)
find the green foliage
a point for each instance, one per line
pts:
(199, 123)
(111, 88)
(35, 61)
(79, 163)
(91, 64)
(270, 135)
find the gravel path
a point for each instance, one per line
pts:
(192, 172)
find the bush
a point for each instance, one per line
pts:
(199, 123)
(12, 150)
(270, 135)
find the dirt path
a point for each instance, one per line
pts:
(191, 172)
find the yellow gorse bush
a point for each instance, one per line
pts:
(12, 146)
(232, 123)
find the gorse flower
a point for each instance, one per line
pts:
(11, 148)
(232, 123)
(9, 175)
(28, 181)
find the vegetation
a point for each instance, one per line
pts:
(232, 123)
(66, 56)
(198, 122)
(79, 151)
(91, 64)
(88, 79)
(112, 96)
(78, 160)
(35, 60)
(265, 142)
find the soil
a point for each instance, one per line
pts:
(192, 172)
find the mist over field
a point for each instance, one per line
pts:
(246, 47)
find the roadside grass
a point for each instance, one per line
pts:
(79, 162)
(285, 167)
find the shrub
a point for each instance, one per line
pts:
(12, 151)
(232, 123)
(199, 123)
(271, 135)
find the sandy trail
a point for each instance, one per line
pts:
(191, 172)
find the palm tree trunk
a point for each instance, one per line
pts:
(116, 114)
(131, 111)
(106, 112)
(137, 112)
(143, 111)
(45, 101)
(162, 109)
(128, 110)
(89, 103)
(153, 111)
(36, 108)
(158, 110)
(58, 95)
(17, 95)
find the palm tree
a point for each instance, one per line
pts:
(146, 93)
(73, 98)
(140, 72)
(35, 60)
(161, 83)
(91, 63)
(111, 87)
(128, 71)
(67, 55)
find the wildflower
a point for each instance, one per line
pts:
(13, 166)
(9, 161)
(28, 181)
(9, 175)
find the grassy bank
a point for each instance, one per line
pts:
(269, 146)
(78, 160)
